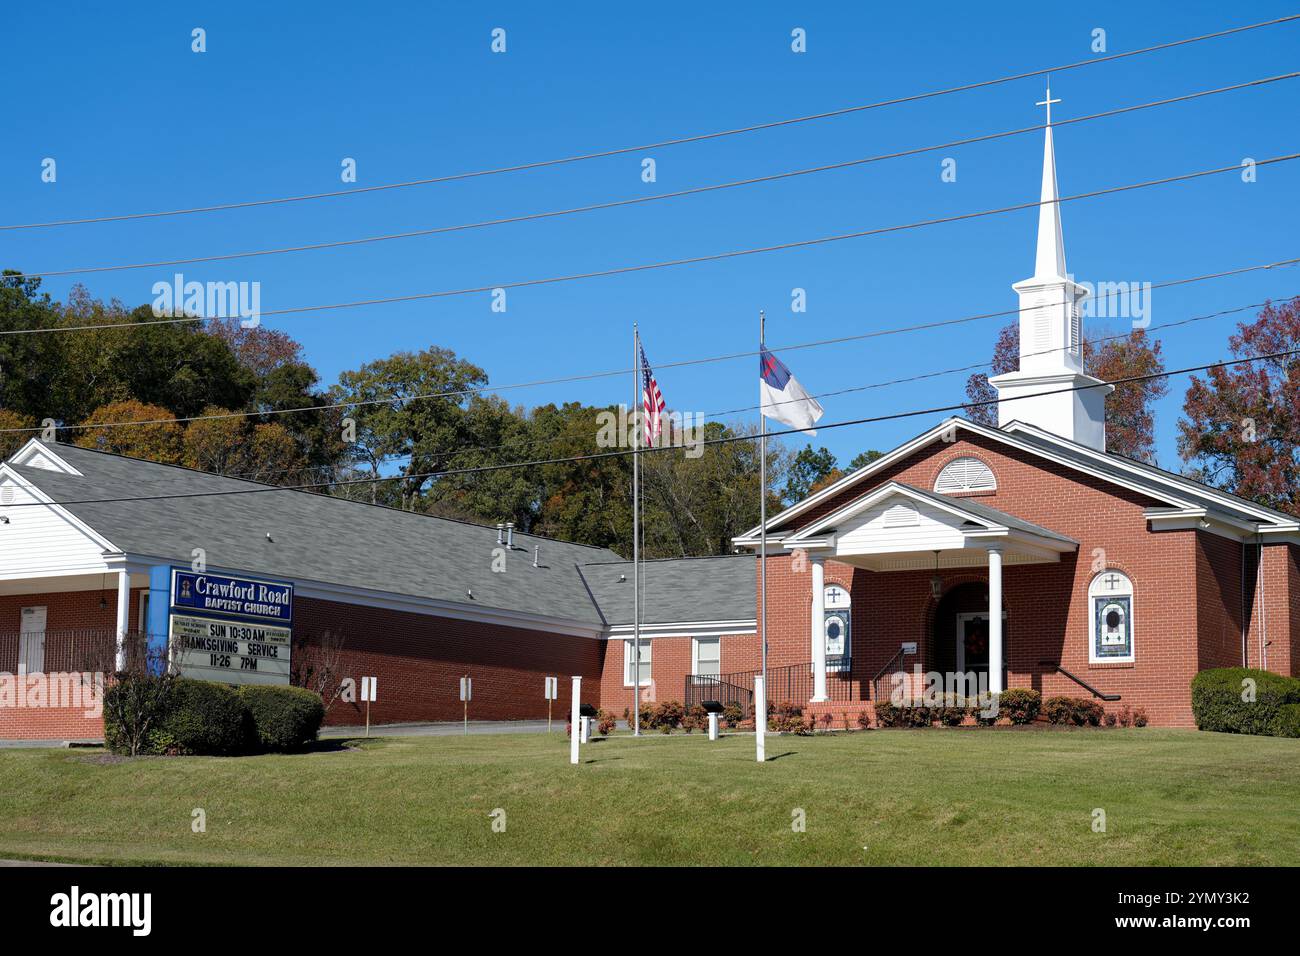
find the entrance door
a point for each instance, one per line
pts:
(972, 640)
(31, 641)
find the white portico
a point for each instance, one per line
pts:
(897, 527)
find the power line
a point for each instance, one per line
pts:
(676, 194)
(677, 141)
(692, 260)
(723, 440)
(590, 376)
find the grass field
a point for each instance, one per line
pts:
(880, 797)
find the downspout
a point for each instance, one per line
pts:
(1263, 613)
(1245, 621)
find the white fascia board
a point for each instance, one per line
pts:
(686, 629)
(888, 490)
(1154, 474)
(430, 607)
(35, 446)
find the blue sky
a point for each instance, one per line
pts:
(138, 122)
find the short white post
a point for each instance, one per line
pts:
(574, 732)
(760, 718)
(818, 630)
(995, 621)
(123, 615)
(586, 729)
(713, 726)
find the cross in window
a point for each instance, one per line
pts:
(1112, 581)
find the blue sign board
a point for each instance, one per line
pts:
(220, 595)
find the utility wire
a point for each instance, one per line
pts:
(614, 204)
(677, 141)
(692, 260)
(619, 453)
(589, 376)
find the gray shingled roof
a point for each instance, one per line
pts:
(677, 590)
(318, 538)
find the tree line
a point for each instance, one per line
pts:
(245, 402)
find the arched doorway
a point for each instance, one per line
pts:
(961, 630)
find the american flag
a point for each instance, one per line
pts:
(653, 401)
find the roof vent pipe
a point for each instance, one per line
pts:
(510, 534)
(537, 553)
(500, 532)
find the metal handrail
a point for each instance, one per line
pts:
(1078, 680)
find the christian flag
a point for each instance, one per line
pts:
(783, 398)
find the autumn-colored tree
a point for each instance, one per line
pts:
(1130, 422)
(1241, 430)
(235, 445)
(14, 431)
(133, 429)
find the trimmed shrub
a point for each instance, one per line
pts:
(733, 714)
(1076, 711)
(1140, 717)
(1288, 721)
(202, 718)
(1217, 700)
(667, 715)
(605, 723)
(1020, 705)
(133, 706)
(864, 721)
(284, 718)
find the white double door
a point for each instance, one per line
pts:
(31, 641)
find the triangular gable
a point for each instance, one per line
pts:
(39, 536)
(888, 499)
(36, 454)
(946, 431)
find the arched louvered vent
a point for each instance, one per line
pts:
(901, 516)
(965, 474)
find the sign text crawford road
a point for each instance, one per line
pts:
(230, 629)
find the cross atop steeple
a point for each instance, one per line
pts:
(1048, 102)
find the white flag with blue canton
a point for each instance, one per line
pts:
(783, 398)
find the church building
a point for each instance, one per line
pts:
(1027, 553)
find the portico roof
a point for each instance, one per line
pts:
(898, 526)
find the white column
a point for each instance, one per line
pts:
(574, 733)
(818, 629)
(995, 621)
(760, 718)
(123, 615)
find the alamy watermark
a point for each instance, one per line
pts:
(209, 300)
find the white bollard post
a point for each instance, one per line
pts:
(574, 732)
(713, 726)
(760, 718)
(586, 729)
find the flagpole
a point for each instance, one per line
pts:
(760, 707)
(636, 534)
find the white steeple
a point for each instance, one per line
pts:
(1051, 333)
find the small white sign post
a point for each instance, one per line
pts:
(552, 693)
(760, 718)
(573, 720)
(713, 725)
(466, 692)
(369, 694)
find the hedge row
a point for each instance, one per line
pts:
(1242, 700)
(197, 717)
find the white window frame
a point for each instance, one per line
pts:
(1095, 592)
(647, 662)
(695, 655)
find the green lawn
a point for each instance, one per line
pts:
(880, 797)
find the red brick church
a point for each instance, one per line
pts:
(1026, 552)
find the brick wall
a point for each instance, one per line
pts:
(420, 659)
(670, 663)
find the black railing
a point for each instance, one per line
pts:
(1056, 665)
(791, 683)
(66, 650)
(876, 693)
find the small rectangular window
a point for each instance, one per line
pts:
(708, 657)
(629, 664)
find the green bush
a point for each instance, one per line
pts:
(202, 718)
(1217, 702)
(733, 714)
(283, 718)
(1288, 721)
(1020, 705)
(1073, 710)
